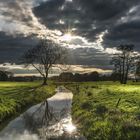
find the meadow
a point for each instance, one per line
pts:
(101, 110)
(107, 110)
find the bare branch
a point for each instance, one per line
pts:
(43, 56)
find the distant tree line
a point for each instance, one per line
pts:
(68, 76)
(5, 75)
(126, 64)
(48, 53)
(25, 78)
(9, 76)
(77, 77)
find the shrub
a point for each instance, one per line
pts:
(86, 106)
(101, 109)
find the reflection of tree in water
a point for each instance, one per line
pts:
(50, 124)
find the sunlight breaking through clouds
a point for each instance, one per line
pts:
(23, 21)
(74, 41)
(67, 37)
(75, 24)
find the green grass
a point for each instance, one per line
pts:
(98, 114)
(15, 97)
(101, 110)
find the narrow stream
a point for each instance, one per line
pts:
(48, 120)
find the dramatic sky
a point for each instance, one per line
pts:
(89, 28)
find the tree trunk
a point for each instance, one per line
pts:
(45, 78)
(123, 70)
(120, 74)
(125, 78)
(126, 74)
(44, 81)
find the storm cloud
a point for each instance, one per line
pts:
(98, 26)
(87, 18)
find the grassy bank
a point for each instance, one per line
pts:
(101, 110)
(16, 97)
(107, 111)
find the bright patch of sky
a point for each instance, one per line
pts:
(23, 21)
(131, 15)
(20, 70)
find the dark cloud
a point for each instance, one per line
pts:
(89, 56)
(88, 17)
(12, 48)
(105, 9)
(124, 33)
(118, 19)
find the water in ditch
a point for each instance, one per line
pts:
(49, 120)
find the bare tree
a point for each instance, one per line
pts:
(137, 69)
(123, 61)
(44, 56)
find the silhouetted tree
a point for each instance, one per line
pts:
(43, 56)
(66, 76)
(137, 73)
(123, 61)
(3, 76)
(77, 77)
(115, 76)
(94, 76)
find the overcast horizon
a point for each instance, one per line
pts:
(90, 29)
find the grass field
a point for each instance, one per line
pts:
(101, 110)
(107, 111)
(16, 97)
